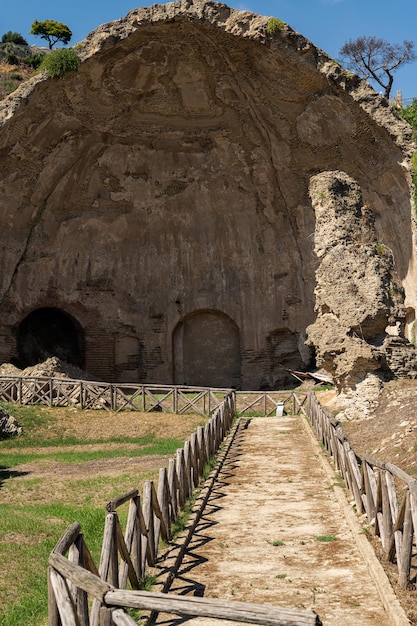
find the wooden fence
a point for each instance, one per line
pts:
(82, 594)
(87, 394)
(264, 403)
(136, 397)
(149, 519)
(384, 493)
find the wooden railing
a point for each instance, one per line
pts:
(87, 394)
(71, 584)
(148, 520)
(74, 580)
(265, 403)
(384, 493)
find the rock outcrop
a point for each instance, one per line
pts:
(53, 367)
(155, 209)
(9, 426)
(359, 331)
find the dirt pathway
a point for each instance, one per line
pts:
(273, 532)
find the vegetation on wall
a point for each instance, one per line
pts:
(59, 62)
(409, 113)
(274, 26)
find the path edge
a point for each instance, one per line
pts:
(171, 559)
(391, 603)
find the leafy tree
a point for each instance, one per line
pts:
(16, 38)
(51, 31)
(376, 59)
(59, 62)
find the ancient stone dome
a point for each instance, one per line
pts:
(158, 219)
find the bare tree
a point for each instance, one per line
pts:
(376, 59)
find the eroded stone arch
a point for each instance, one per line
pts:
(206, 350)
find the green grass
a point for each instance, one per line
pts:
(276, 542)
(326, 538)
(31, 416)
(38, 528)
(37, 509)
(157, 447)
(70, 440)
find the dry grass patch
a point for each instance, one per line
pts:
(65, 467)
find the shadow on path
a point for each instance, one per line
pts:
(184, 583)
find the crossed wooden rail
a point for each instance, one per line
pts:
(86, 394)
(382, 491)
(75, 579)
(72, 580)
(146, 522)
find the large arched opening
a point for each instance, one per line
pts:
(50, 332)
(206, 346)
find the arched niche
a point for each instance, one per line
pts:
(206, 347)
(50, 332)
(127, 355)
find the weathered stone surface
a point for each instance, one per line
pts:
(359, 298)
(158, 200)
(9, 426)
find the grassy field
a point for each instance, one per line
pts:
(65, 467)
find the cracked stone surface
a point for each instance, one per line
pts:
(161, 194)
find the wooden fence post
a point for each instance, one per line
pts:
(182, 487)
(64, 600)
(188, 469)
(202, 448)
(163, 499)
(76, 555)
(148, 542)
(53, 613)
(195, 459)
(407, 546)
(207, 439)
(133, 542)
(173, 488)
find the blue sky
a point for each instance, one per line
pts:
(327, 23)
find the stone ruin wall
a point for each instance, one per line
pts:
(159, 198)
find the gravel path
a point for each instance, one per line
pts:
(273, 532)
